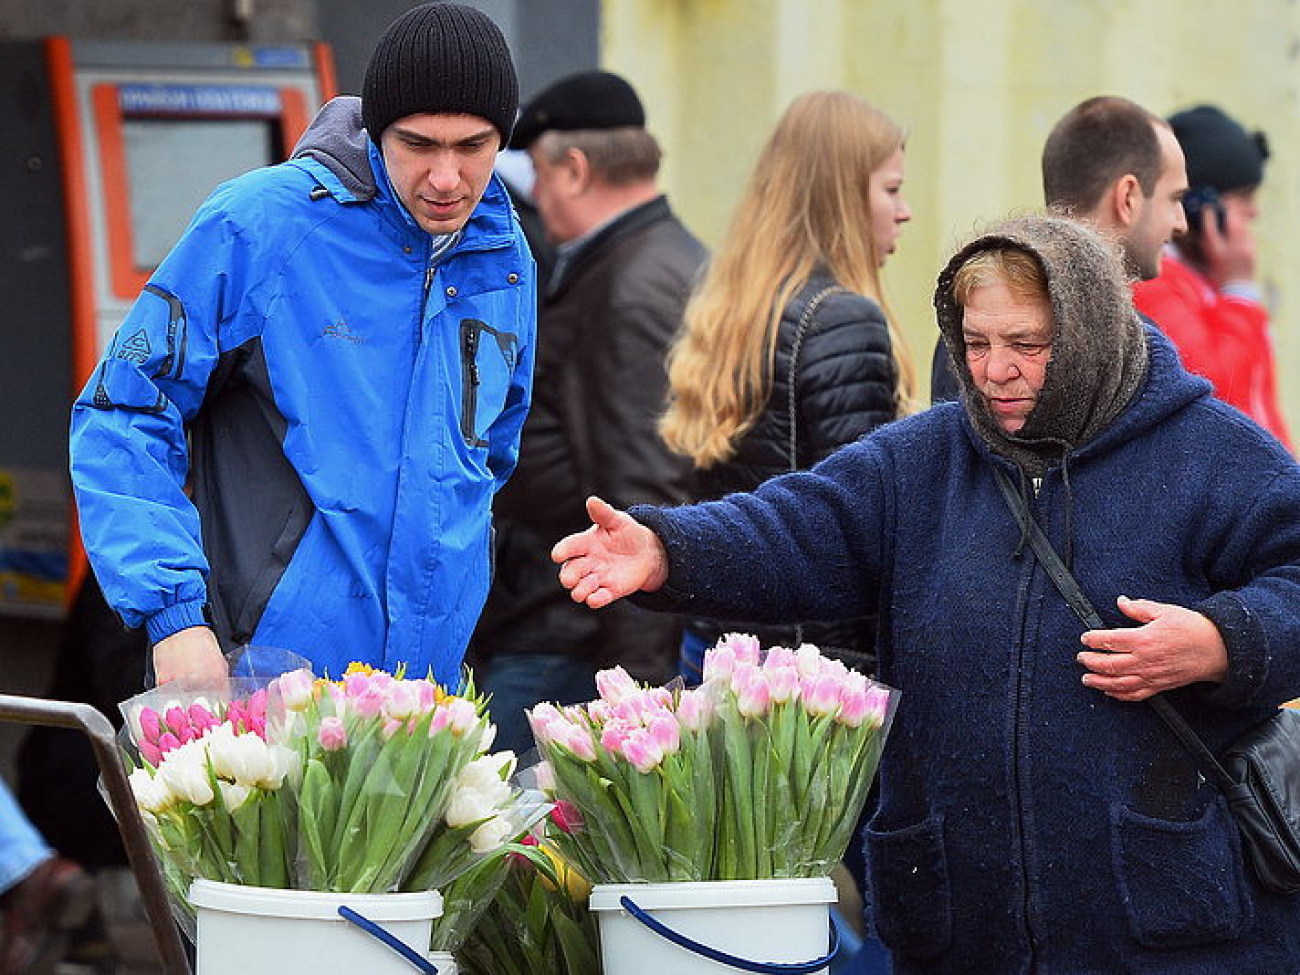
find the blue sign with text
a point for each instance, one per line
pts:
(198, 100)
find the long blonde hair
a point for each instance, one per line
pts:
(806, 204)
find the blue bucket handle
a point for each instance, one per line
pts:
(713, 954)
(421, 963)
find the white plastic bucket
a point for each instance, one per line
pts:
(260, 931)
(756, 921)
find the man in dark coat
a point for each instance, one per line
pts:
(1033, 815)
(624, 267)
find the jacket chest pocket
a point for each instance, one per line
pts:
(487, 363)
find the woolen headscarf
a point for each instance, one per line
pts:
(441, 58)
(1099, 353)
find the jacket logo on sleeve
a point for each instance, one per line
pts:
(135, 349)
(172, 363)
(342, 330)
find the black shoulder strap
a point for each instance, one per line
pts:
(800, 332)
(1064, 580)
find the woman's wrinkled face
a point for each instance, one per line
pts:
(1008, 345)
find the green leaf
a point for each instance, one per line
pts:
(248, 850)
(741, 792)
(578, 945)
(317, 808)
(274, 856)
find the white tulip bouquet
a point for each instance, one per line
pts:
(367, 784)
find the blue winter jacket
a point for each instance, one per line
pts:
(1027, 823)
(342, 407)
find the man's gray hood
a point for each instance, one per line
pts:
(336, 139)
(1099, 352)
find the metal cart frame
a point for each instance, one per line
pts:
(139, 852)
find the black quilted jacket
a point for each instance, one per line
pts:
(844, 387)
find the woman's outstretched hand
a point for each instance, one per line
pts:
(615, 557)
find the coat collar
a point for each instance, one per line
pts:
(571, 265)
(491, 224)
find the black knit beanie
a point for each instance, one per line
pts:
(1220, 153)
(441, 58)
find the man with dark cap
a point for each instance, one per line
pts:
(624, 268)
(1206, 298)
(296, 436)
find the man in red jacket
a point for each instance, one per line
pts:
(1206, 298)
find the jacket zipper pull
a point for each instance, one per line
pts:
(469, 395)
(471, 355)
(429, 272)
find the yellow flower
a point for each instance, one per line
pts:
(575, 885)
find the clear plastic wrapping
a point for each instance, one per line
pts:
(760, 772)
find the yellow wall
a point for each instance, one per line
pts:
(978, 84)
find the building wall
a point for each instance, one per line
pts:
(978, 84)
(195, 20)
(548, 37)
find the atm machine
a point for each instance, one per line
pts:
(106, 150)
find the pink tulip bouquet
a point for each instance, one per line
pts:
(367, 784)
(760, 772)
(210, 786)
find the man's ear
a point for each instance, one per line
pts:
(1125, 200)
(577, 171)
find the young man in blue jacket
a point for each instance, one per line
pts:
(295, 437)
(1033, 816)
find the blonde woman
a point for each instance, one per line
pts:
(796, 280)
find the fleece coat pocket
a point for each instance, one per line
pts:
(910, 898)
(1181, 883)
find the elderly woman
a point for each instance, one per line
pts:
(1032, 815)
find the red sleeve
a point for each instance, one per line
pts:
(1223, 338)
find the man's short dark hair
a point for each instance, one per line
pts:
(1093, 145)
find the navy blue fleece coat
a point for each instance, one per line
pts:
(1027, 823)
